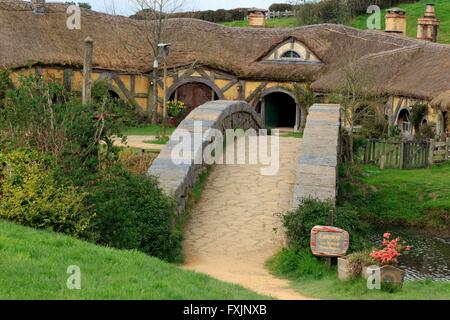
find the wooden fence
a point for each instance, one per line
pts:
(280, 14)
(397, 154)
(440, 151)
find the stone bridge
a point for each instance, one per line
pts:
(179, 179)
(235, 227)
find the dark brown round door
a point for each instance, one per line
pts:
(194, 95)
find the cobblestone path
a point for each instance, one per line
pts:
(235, 227)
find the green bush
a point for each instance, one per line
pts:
(5, 84)
(31, 195)
(298, 223)
(281, 7)
(133, 213)
(325, 11)
(44, 116)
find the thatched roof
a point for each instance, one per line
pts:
(442, 101)
(121, 44)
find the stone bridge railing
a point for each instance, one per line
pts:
(317, 167)
(177, 179)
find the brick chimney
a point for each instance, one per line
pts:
(396, 21)
(257, 17)
(38, 6)
(428, 25)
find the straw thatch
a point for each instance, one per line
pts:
(442, 101)
(121, 44)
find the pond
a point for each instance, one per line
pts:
(429, 257)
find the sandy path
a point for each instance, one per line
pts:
(139, 142)
(235, 229)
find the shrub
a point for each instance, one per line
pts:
(31, 195)
(133, 213)
(281, 7)
(5, 84)
(325, 11)
(44, 116)
(298, 223)
(136, 163)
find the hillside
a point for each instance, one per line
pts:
(34, 265)
(414, 11)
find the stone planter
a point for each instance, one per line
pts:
(344, 268)
(388, 274)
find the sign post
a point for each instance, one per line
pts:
(329, 241)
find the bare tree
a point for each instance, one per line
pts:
(356, 94)
(306, 98)
(157, 12)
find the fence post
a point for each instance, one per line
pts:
(431, 153)
(402, 154)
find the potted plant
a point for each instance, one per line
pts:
(352, 266)
(386, 258)
(175, 110)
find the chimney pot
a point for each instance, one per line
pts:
(396, 21)
(38, 6)
(428, 25)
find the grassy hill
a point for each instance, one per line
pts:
(413, 10)
(33, 265)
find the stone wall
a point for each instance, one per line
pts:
(178, 180)
(317, 167)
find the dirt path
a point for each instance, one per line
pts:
(235, 229)
(140, 142)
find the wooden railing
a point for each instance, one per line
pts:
(280, 14)
(405, 154)
(397, 154)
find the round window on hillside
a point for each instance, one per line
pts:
(291, 55)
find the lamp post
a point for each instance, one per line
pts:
(165, 49)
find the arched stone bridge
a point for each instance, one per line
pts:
(234, 228)
(179, 179)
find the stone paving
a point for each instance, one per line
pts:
(235, 227)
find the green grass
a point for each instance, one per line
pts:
(312, 278)
(148, 130)
(161, 140)
(33, 265)
(297, 135)
(415, 11)
(271, 23)
(418, 197)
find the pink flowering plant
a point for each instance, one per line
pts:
(390, 251)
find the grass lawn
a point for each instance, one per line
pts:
(415, 11)
(415, 197)
(314, 279)
(33, 265)
(148, 130)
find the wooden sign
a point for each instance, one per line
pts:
(329, 241)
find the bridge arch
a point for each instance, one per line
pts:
(178, 179)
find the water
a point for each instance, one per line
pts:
(429, 257)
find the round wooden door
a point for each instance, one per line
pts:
(194, 95)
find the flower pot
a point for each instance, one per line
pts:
(344, 268)
(388, 274)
